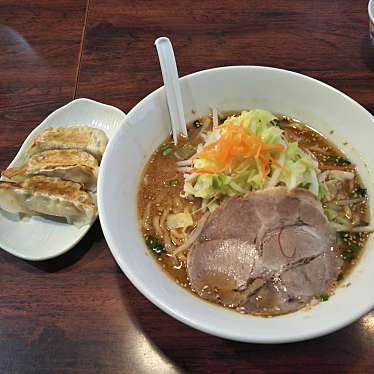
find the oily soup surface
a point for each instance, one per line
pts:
(161, 193)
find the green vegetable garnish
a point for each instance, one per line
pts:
(359, 192)
(324, 297)
(354, 247)
(338, 160)
(351, 252)
(305, 185)
(155, 246)
(251, 158)
(276, 122)
(173, 182)
(348, 255)
(166, 149)
(217, 181)
(322, 192)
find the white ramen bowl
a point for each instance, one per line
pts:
(327, 110)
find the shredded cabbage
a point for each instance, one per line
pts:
(179, 220)
(285, 164)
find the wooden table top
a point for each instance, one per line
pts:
(78, 313)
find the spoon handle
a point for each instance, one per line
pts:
(171, 82)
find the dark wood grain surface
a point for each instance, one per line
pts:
(79, 313)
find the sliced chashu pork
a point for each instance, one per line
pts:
(269, 252)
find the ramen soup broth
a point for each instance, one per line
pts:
(161, 195)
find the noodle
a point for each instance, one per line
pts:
(156, 226)
(146, 216)
(184, 169)
(163, 217)
(175, 239)
(194, 235)
(347, 228)
(185, 162)
(176, 234)
(350, 201)
(168, 243)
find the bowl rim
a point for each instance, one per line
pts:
(184, 318)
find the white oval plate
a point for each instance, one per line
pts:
(39, 238)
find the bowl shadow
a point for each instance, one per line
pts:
(367, 53)
(190, 350)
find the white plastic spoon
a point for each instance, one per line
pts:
(171, 82)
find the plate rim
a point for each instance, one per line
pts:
(42, 125)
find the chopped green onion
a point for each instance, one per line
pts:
(217, 182)
(354, 247)
(276, 122)
(166, 149)
(338, 160)
(324, 297)
(305, 185)
(279, 122)
(351, 252)
(155, 246)
(197, 124)
(348, 255)
(359, 192)
(173, 182)
(322, 192)
(167, 152)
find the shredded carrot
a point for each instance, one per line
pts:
(205, 171)
(235, 145)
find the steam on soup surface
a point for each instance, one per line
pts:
(255, 212)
